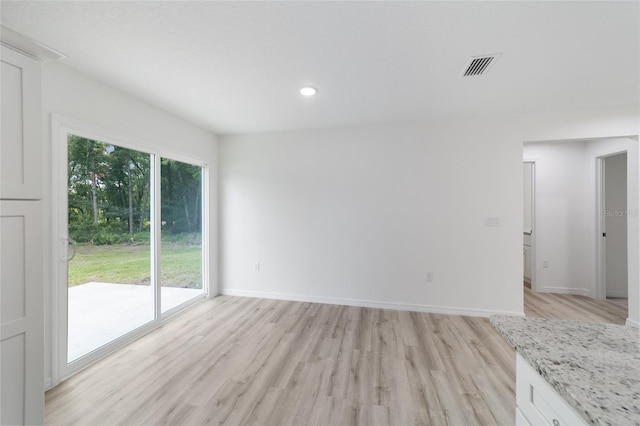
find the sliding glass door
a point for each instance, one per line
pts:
(109, 277)
(129, 243)
(181, 232)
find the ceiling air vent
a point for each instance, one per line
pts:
(479, 65)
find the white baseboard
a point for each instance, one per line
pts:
(565, 290)
(48, 383)
(633, 323)
(618, 294)
(370, 303)
(527, 280)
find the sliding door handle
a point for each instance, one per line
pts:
(72, 242)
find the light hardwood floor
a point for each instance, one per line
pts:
(571, 307)
(235, 360)
(240, 360)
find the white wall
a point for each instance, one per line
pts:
(616, 225)
(72, 94)
(527, 176)
(562, 228)
(359, 215)
(565, 219)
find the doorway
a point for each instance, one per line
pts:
(613, 208)
(109, 290)
(129, 241)
(569, 251)
(528, 221)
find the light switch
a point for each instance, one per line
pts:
(492, 221)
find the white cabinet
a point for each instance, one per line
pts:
(21, 258)
(537, 403)
(22, 330)
(521, 420)
(21, 131)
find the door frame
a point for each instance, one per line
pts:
(61, 126)
(600, 291)
(532, 238)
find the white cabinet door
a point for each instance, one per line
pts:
(21, 273)
(21, 313)
(20, 127)
(537, 403)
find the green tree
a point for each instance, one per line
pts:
(110, 190)
(86, 167)
(181, 197)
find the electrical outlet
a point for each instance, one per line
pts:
(257, 266)
(429, 277)
(545, 263)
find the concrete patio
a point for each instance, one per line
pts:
(102, 312)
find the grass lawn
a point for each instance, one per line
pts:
(181, 266)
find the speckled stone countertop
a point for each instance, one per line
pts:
(594, 367)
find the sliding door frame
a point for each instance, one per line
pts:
(61, 127)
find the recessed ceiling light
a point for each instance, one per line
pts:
(308, 91)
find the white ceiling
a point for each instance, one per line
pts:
(236, 67)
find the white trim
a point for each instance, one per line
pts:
(27, 46)
(565, 290)
(601, 247)
(205, 240)
(600, 291)
(156, 236)
(59, 245)
(532, 236)
(370, 303)
(102, 134)
(633, 323)
(618, 294)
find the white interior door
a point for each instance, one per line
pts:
(616, 262)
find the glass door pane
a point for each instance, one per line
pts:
(110, 292)
(181, 233)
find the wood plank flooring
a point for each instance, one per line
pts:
(624, 303)
(572, 307)
(234, 360)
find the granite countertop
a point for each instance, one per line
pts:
(594, 367)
